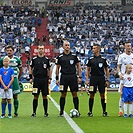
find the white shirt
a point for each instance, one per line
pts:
(127, 80)
(123, 60)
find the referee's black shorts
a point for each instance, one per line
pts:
(42, 85)
(68, 80)
(97, 82)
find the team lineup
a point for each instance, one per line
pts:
(68, 73)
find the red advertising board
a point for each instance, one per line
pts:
(48, 50)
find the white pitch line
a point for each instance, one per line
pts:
(75, 127)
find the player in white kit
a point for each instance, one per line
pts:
(124, 59)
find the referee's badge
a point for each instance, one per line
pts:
(100, 65)
(71, 62)
(44, 65)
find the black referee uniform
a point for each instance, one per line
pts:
(97, 78)
(68, 71)
(40, 66)
(97, 68)
(67, 63)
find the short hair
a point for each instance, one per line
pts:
(96, 44)
(6, 57)
(9, 46)
(127, 42)
(65, 41)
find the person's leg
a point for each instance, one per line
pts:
(3, 106)
(75, 100)
(62, 102)
(125, 109)
(91, 102)
(103, 102)
(45, 105)
(9, 108)
(35, 104)
(121, 103)
(16, 104)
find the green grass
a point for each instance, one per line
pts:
(54, 124)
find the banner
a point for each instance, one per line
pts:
(101, 2)
(22, 2)
(60, 3)
(48, 50)
(129, 2)
(27, 87)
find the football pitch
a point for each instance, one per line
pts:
(54, 124)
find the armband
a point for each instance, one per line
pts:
(57, 77)
(50, 78)
(30, 76)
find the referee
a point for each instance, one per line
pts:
(97, 68)
(68, 61)
(40, 69)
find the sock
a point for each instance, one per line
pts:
(62, 104)
(35, 104)
(5, 105)
(130, 108)
(125, 108)
(3, 108)
(76, 103)
(121, 105)
(103, 105)
(45, 105)
(16, 103)
(91, 101)
(9, 108)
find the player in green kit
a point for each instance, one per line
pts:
(16, 64)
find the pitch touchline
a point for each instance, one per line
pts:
(75, 127)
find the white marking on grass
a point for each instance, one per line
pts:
(75, 127)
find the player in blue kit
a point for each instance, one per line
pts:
(6, 80)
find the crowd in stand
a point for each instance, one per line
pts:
(18, 28)
(83, 25)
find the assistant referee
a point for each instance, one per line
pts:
(97, 69)
(68, 62)
(41, 71)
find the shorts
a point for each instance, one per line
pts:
(127, 94)
(15, 86)
(97, 82)
(42, 85)
(6, 94)
(68, 80)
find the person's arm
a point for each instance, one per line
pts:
(79, 72)
(121, 87)
(2, 83)
(50, 74)
(20, 72)
(119, 71)
(87, 74)
(11, 81)
(30, 73)
(107, 76)
(57, 74)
